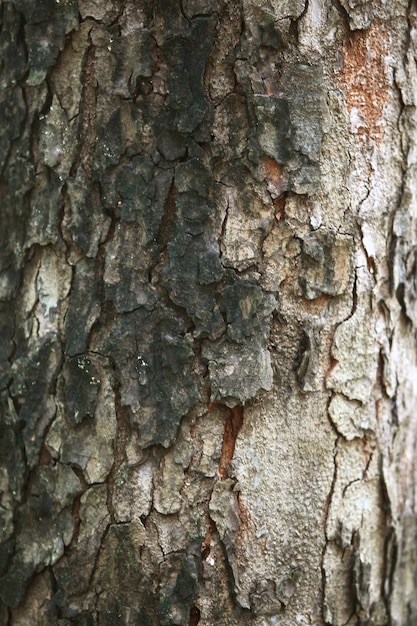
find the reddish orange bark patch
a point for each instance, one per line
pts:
(206, 543)
(233, 424)
(275, 175)
(364, 78)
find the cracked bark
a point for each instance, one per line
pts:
(208, 313)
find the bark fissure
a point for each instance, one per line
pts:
(232, 426)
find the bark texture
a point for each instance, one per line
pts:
(208, 312)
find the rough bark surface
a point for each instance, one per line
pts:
(208, 312)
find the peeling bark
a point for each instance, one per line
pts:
(208, 312)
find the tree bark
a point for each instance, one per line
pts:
(208, 312)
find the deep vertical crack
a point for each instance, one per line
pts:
(233, 424)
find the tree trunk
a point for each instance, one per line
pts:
(208, 312)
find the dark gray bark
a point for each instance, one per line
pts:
(207, 312)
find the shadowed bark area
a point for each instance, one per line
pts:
(208, 313)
